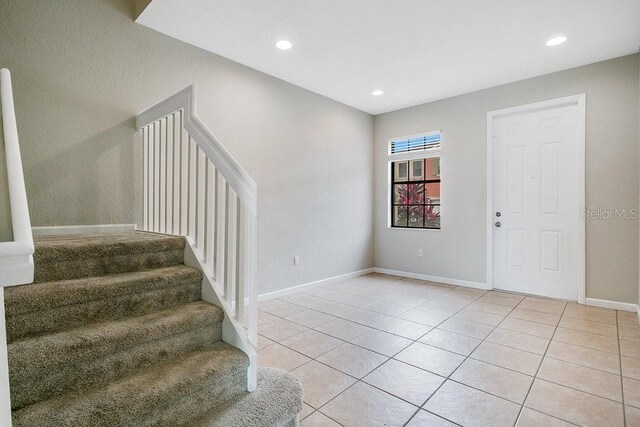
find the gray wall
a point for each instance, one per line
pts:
(612, 159)
(82, 69)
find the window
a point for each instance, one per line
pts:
(415, 182)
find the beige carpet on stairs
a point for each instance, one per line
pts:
(114, 333)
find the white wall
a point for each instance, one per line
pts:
(82, 69)
(612, 161)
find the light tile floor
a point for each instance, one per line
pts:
(380, 350)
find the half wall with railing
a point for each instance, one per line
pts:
(193, 187)
(16, 252)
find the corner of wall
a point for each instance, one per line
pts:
(139, 7)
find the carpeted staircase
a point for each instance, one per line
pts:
(114, 333)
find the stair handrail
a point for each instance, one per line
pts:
(240, 300)
(22, 243)
(185, 99)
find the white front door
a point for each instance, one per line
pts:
(537, 201)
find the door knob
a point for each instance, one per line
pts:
(497, 224)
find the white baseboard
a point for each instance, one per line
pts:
(82, 229)
(446, 280)
(304, 286)
(624, 306)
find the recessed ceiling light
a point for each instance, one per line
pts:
(377, 92)
(284, 45)
(556, 41)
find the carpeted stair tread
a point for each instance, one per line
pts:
(44, 296)
(214, 375)
(113, 332)
(85, 255)
(46, 384)
(45, 367)
(277, 401)
(73, 246)
(51, 307)
(98, 340)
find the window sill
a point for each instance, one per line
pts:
(413, 229)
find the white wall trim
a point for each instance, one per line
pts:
(233, 332)
(615, 305)
(446, 280)
(82, 229)
(580, 101)
(282, 292)
(16, 270)
(413, 155)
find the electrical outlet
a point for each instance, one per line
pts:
(420, 253)
(296, 260)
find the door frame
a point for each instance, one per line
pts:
(579, 101)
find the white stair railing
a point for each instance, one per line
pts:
(193, 187)
(16, 255)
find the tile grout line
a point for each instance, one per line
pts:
(447, 378)
(624, 409)
(435, 327)
(421, 407)
(451, 316)
(538, 370)
(417, 340)
(413, 341)
(469, 357)
(362, 324)
(386, 392)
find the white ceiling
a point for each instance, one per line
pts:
(415, 50)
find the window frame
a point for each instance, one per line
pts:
(408, 156)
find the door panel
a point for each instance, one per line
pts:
(516, 171)
(535, 180)
(550, 164)
(516, 248)
(550, 252)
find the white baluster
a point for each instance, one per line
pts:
(184, 179)
(169, 178)
(231, 245)
(201, 220)
(163, 176)
(145, 177)
(239, 261)
(176, 174)
(156, 177)
(224, 277)
(192, 188)
(210, 228)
